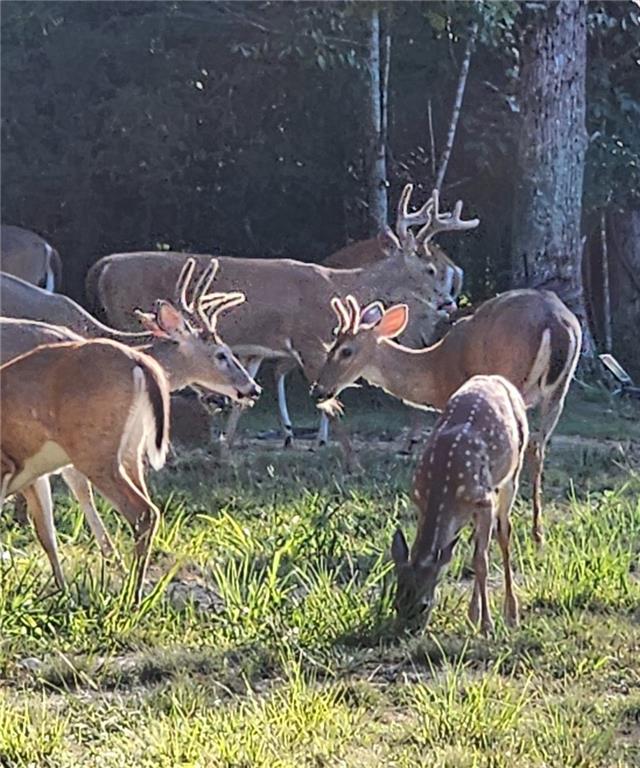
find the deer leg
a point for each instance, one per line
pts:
(7, 471)
(40, 507)
(505, 501)
(550, 410)
(535, 460)
(323, 431)
(285, 419)
(80, 487)
(253, 366)
(122, 486)
(479, 606)
(416, 419)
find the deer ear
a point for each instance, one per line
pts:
(170, 320)
(393, 322)
(372, 314)
(148, 322)
(388, 242)
(399, 548)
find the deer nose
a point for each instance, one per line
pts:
(317, 391)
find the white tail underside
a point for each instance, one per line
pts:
(141, 425)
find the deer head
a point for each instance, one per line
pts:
(435, 263)
(186, 340)
(415, 581)
(358, 334)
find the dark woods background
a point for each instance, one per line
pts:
(244, 128)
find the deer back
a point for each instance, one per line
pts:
(20, 336)
(30, 257)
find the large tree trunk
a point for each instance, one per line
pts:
(377, 163)
(547, 242)
(624, 269)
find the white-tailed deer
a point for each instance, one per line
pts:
(287, 314)
(468, 474)
(431, 222)
(185, 343)
(527, 336)
(30, 257)
(446, 274)
(98, 406)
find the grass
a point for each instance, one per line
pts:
(267, 638)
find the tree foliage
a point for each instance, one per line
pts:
(239, 127)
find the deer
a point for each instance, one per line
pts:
(431, 222)
(30, 257)
(528, 336)
(469, 473)
(23, 299)
(448, 276)
(287, 315)
(183, 341)
(99, 406)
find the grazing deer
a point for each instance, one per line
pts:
(97, 405)
(287, 315)
(30, 257)
(184, 342)
(527, 336)
(468, 474)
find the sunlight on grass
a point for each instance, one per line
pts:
(267, 636)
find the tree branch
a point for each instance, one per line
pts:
(457, 104)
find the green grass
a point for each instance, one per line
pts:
(267, 638)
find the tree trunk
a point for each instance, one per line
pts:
(377, 151)
(624, 270)
(547, 243)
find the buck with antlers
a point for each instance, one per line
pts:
(447, 277)
(30, 257)
(287, 315)
(431, 222)
(527, 336)
(468, 474)
(184, 342)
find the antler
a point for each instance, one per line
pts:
(203, 305)
(199, 290)
(443, 222)
(351, 317)
(348, 312)
(212, 304)
(404, 219)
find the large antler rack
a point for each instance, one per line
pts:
(443, 222)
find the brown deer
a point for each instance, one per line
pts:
(184, 342)
(468, 474)
(287, 315)
(97, 405)
(391, 244)
(431, 222)
(527, 336)
(30, 257)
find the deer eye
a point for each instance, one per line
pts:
(221, 357)
(346, 352)
(431, 270)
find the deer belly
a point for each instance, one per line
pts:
(49, 458)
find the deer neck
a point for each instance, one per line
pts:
(415, 376)
(166, 354)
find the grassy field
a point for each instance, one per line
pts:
(267, 635)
